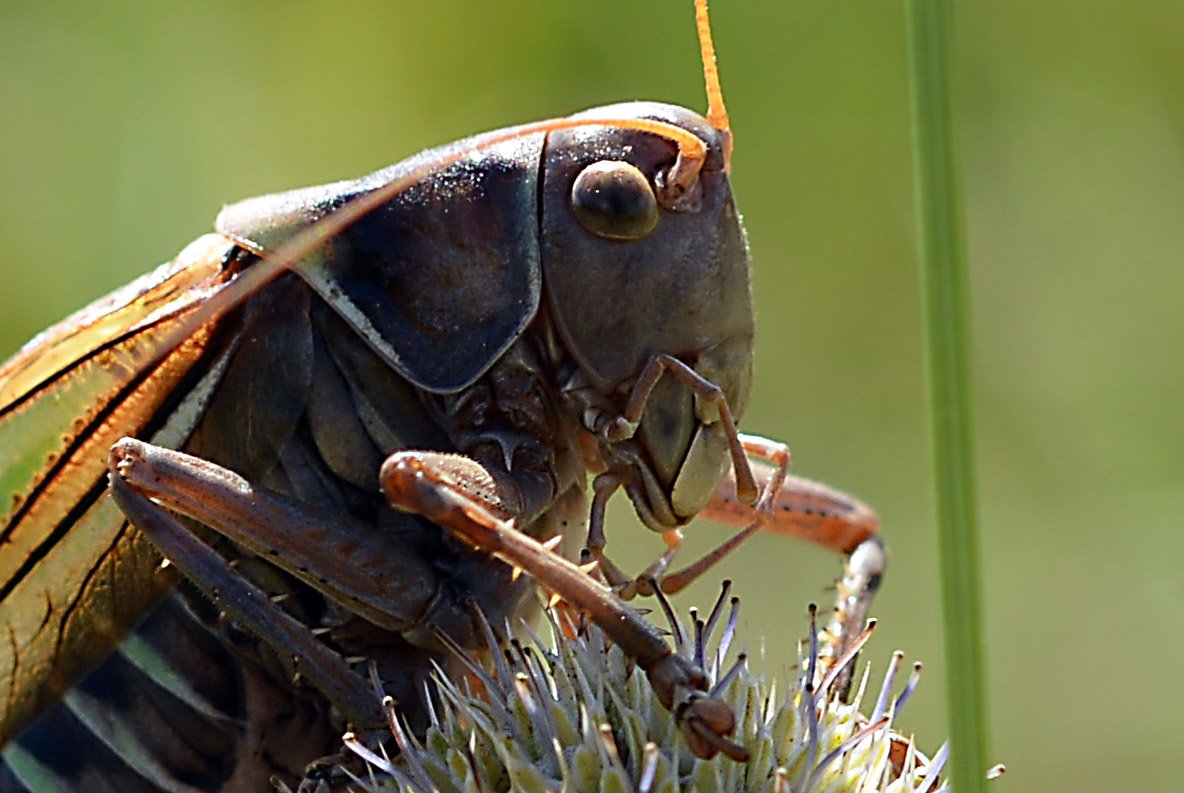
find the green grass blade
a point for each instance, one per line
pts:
(943, 270)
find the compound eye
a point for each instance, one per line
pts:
(614, 200)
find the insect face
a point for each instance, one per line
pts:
(682, 289)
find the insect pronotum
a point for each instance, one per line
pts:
(355, 396)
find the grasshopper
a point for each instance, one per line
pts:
(504, 316)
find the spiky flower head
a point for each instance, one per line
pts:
(573, 714)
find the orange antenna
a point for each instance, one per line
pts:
(717, 114)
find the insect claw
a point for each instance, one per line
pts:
(704, 720)
(713, 742)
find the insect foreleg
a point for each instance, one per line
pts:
(799, 507)
(773, 458)
(789, 505)
(863, 572)
(625, 425)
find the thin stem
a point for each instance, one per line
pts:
(943, 274)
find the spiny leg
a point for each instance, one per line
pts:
(819, 514)
(863, 572)
(788, 505)
(364, 568)
(368, 571)
(417, 483)
(248, 605)
(792, 506)
(798, 507)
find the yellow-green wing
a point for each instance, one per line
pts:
(74, 576)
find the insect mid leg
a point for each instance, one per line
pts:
(413, 483)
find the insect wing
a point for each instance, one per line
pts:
(74, 576)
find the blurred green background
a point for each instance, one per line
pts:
(124, 126)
